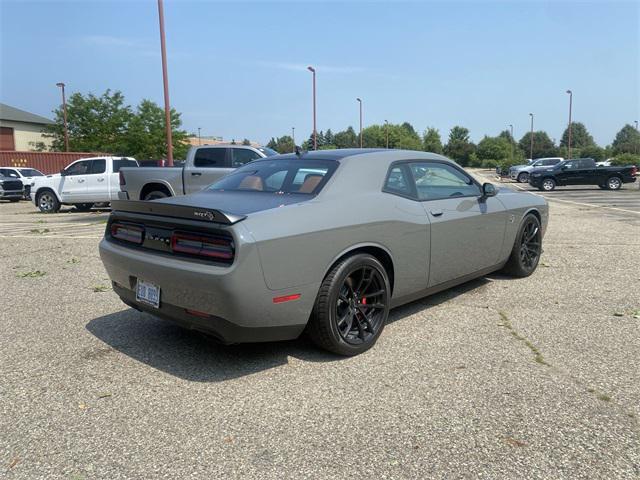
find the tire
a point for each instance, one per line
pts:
(83, 207)
(156, 194)
(343, 320)
(48, 202)
(523, 177)
(603, 187)
(527, 248)
(548, 184)
(614, 183)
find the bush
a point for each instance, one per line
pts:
(490, 164)
(625, 159)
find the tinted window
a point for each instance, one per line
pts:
(586, 163)
(279, 177)
(210, 157)
(398, 181)
(123, 162)
(267, 151)
(7, 172)
(242, 156)
(572, 165)
(31, 172)
(439, 180)
(99, 166)
(551, 162)
(79, 168)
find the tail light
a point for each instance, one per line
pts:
(121, 178)
(634, 170)
(214, 247)
(127, 232)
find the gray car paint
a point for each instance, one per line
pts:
(288, 247)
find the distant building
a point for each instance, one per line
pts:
(193, 140)
(22, 131)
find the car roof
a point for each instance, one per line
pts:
(349, 154)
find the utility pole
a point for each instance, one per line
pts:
(360, 102)
(165, 81)
(570, 105)
(199, 137)
(64, 116)
(531, 151)
(293, 137)
(386, 131)
(315, 133)
(511, 142)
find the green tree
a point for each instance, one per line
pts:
(543, 146)
(272, 144)
(459, 147)
(328, 138)
(346, 138)
(95, 124)
(246, 142)
(580, 137)
(627, 141)
(431, 141)
(146, 134)
(494, 148)
(284, 144)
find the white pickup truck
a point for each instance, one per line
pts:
(82, 183)
(204, 165)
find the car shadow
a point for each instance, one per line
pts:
(196, 357)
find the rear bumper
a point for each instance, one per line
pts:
(239, 305)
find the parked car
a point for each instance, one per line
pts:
(203, 165)
(604, 163)
(520, 173)
(11, 189)
(327, 241)
(26, 176)
(82, 183)
(581, 171)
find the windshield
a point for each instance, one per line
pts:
(279, 177)
(31, 172)
(267, 151)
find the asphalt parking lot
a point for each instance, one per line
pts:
(533, 378)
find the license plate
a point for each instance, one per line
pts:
(148, 293)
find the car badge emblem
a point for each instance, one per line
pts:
(206, 215)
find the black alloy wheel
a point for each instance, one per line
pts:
(527, 248)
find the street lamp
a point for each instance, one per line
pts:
(360, 102)
(315, 134)
(165, 81)
(386, 131)
(64, 116)
(570, 105)
(511, 141)
(636, 122)
(293, 137)
(531, 151)
(199, 137)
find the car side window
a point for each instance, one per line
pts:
(242, 156)
(99, 166)
(571, 165)
(210, 157)
(79, 168)
(7, 172)
(439, 180)
(123, 162)
(398, 181)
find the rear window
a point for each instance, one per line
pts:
(123, 162)
(210, 157)
(279, 177)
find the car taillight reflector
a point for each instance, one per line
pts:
(202, 245)
(121, 178)
(127, 233)
(634, 170)
(286, 298)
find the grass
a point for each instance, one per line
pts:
(73, 260)
(537, 355)
(100, 288)
(32, 274)
(39, 231)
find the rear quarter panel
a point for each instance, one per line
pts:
(137, 178)
(518, 205)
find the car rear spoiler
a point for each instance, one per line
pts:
(176, 211)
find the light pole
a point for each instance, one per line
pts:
(360, 102)
(165, 81)
(386, 131)
(64, 116)
(315, 134)
(511, 141)
(199, 137)
(293, 137)
(636, 122)
(570, 106)
(531, 151)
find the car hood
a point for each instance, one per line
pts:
(517, 167)
(238, 203)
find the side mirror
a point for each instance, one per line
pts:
(63, 173)
(488, 190)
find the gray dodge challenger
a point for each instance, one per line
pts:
(324, 242)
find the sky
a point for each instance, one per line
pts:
(238, 69)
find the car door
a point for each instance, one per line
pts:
(209, 164)
(569, 173)
(467, 229)
(73, 182)
(98, 181)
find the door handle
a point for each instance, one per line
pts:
(436, 213)
(196, 174)
(80, 180)
(101, 179)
